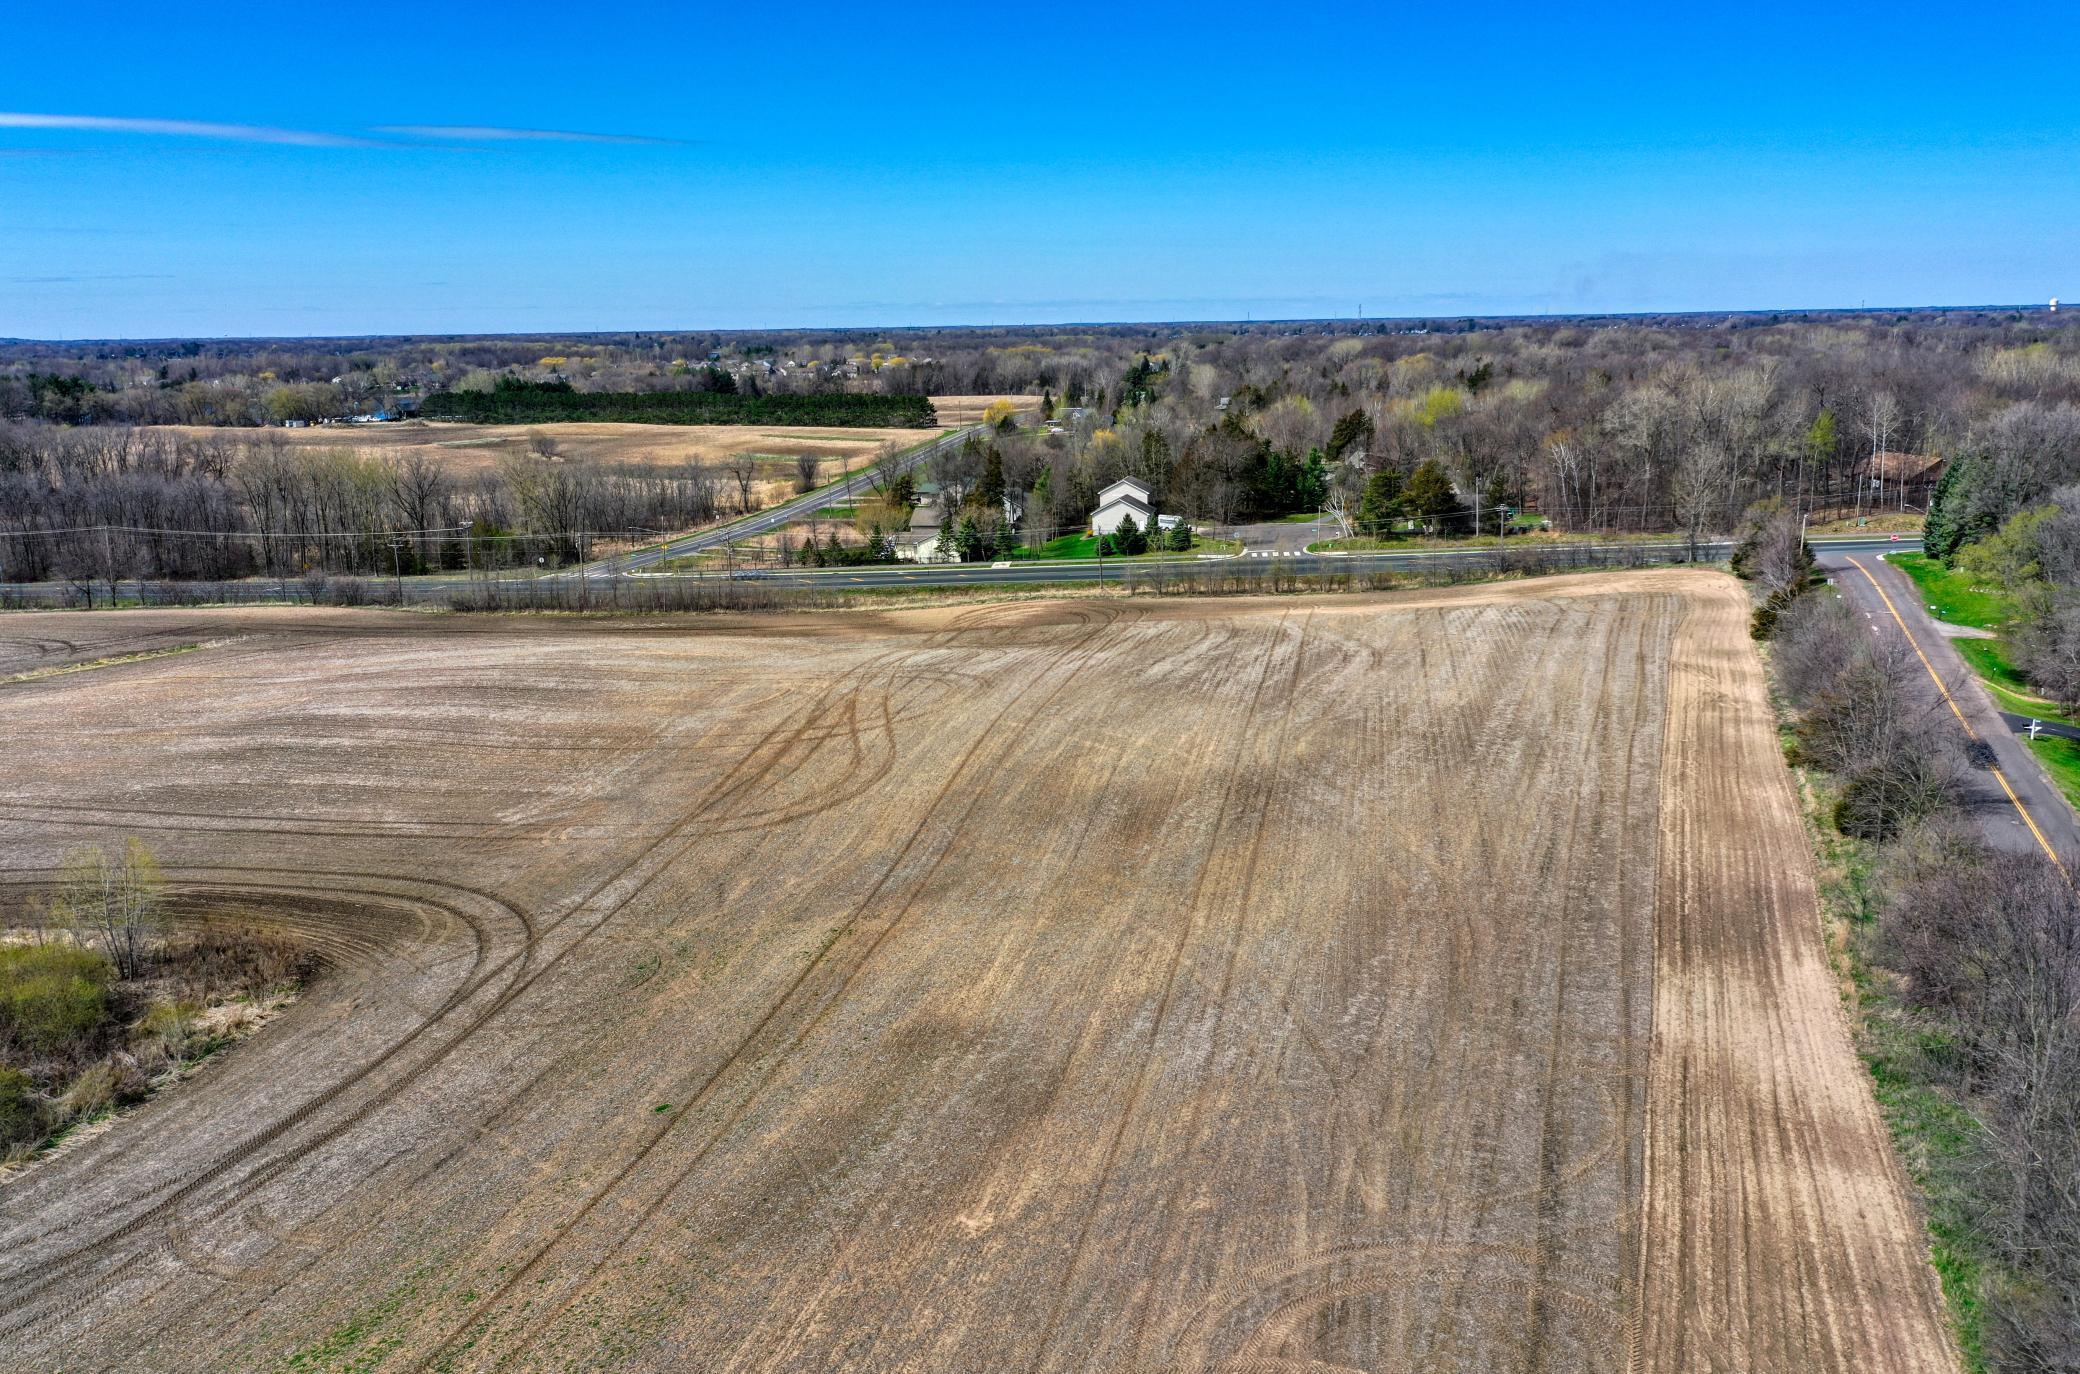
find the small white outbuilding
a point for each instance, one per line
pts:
(1123, 498)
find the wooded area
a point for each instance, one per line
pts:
(1658, 423)
(513, 402)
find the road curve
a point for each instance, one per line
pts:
(2013, 802)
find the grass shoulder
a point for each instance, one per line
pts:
(1955, 596)
(1971, 603)
(1076, 547)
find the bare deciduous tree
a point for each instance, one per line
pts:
(114, 901)
(743, 469)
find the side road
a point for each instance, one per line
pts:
(2013, 800)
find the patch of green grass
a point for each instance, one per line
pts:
(1989, 659)
(355, 1345)
(2011, 691)
(1068, 546)
(1955, 596)
(1074, 546)
(2061, 759)
(1934, 1138)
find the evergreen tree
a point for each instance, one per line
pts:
(1430, 497)
(1496, 498)
(1311, 485)
(1352, 432)
(1129, 538)
(972, 541)
(1381, 503)
(989, 493)
(1950, 523)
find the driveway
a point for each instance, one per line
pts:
(1285, 538)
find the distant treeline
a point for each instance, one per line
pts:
(102, 503)
(514, 402)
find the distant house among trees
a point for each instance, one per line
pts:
(1123, 500)
(1913, 469)
(920, 541)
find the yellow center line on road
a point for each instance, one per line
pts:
(1970, 733)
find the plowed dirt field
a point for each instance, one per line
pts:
(1415, 982)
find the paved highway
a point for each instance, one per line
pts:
(773, 517)
(1037, 572)
(2012, 800)
(1113, 569)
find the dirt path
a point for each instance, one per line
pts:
(1420, 981)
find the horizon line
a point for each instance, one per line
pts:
(2043, 307)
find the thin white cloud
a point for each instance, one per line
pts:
(180, 128)
(490, 133)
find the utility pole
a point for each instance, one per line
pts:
(396, 565)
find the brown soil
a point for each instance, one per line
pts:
(1421, 981)
(967, 410)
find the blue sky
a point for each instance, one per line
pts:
(926, 164)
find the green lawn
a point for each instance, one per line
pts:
(2061, 759)
(1071, 546)
(1955, 596)
(2011, 690)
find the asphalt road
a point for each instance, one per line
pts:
(1112, 569)
(773, 517)
(2013, 801)
(1053, 571)
(2020, 725)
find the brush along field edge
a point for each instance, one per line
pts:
(1776, 1229)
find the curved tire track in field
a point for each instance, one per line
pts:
(42, 1273)
(903, 1162)
(332, 924)
(1084, 646)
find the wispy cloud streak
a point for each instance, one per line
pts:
(180, 128)
(491, 133)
